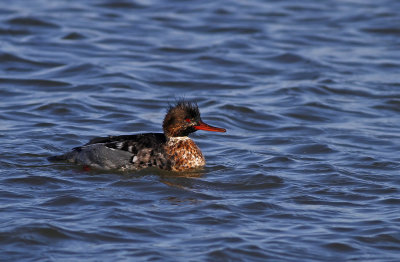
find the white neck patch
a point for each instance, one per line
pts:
(177, 139)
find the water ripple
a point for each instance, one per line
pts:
(308, 93)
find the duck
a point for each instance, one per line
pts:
(171, 150)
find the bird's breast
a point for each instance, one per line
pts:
(183, 153)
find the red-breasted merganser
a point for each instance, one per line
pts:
(171, 150)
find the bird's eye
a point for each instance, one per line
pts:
(187, 120)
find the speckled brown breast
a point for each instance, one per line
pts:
(183, 153)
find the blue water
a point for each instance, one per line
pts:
(309, 93)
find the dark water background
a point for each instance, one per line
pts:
(309, 92)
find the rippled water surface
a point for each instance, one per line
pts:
(309, 92)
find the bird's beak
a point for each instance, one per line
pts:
(204, 126)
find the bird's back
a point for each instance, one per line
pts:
(128, 152)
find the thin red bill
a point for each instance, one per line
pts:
(204, 126)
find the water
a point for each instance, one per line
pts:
(308, 91)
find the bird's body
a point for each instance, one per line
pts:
(172, 150)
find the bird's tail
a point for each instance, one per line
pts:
(57, 158)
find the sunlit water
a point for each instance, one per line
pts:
(309, 92)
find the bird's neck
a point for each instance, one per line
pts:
(176, 139)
